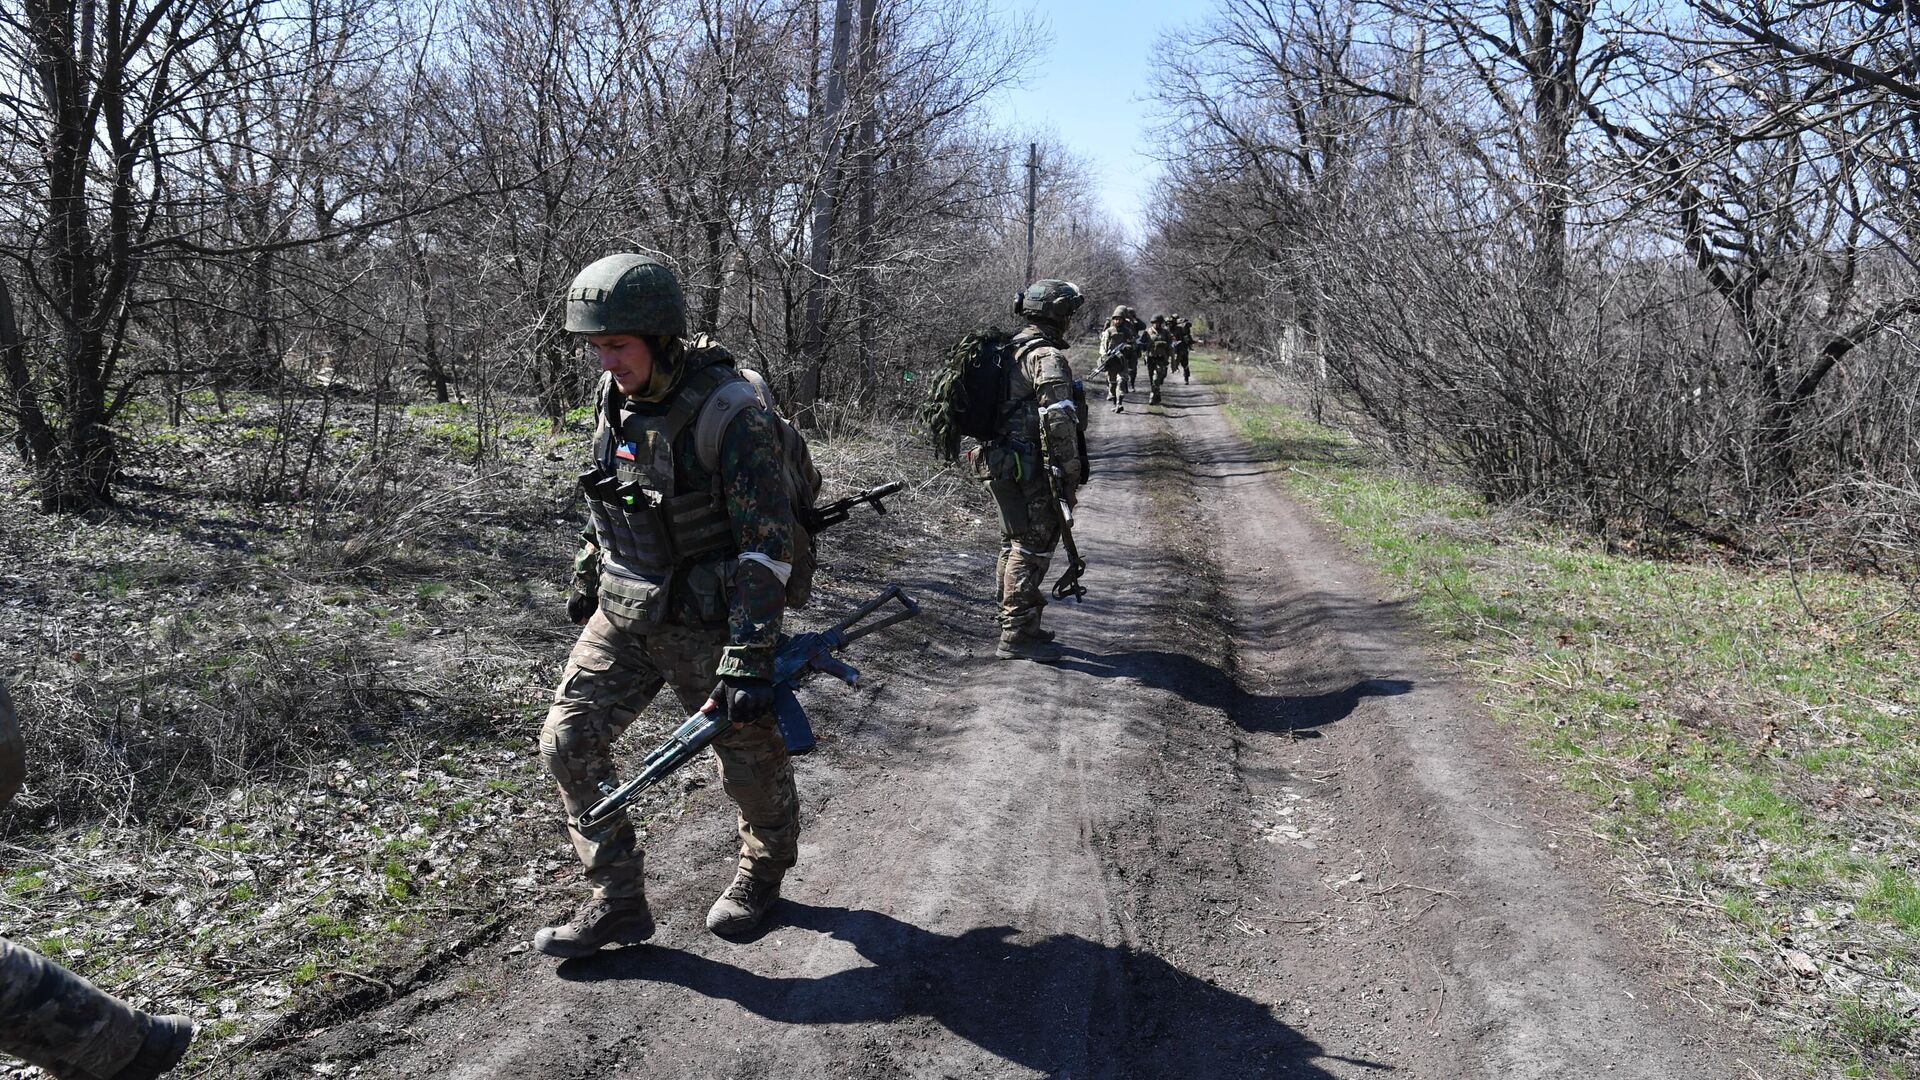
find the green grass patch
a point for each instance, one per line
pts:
(1755, 726)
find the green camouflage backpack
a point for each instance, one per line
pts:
(969, 395)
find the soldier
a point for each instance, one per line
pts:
(1118, 354)
(59, 1021)
(1135, 329)
(682, 581)
(1039, 432)
(1182, 346)
(1158, 343)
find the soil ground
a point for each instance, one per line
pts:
(1246, 828)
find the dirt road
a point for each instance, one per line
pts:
(1244, 830)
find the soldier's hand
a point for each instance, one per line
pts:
(581, 605)
(749, 701)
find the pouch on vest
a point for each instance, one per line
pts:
(634, 603)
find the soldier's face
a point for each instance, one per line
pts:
(627, 357)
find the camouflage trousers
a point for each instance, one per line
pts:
(1030, 529)
(611, 677)
(1157, 369)
(61, 1022)
(1116, 381)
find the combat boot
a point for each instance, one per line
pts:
(743, 905)
(1035, 645)
(162, 1045)
(602, 921)
(1154, 398)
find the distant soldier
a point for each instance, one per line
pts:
(59, 1021)
(1182, 346)
(1135, 328)
(1039, 432)
(1158, 342)
(1119, 352)
(682, 582)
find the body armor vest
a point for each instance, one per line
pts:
(648, 530)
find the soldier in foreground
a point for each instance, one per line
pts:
(1118, 354)
(1037, 450)
(682, 581)
(59, 1021)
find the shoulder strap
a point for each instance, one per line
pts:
(734, 397)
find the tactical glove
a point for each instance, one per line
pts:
(581, 605)
(748, 701)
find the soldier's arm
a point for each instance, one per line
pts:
(1053, 392)
(762, 520)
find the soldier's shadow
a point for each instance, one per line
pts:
(1206, 685)
(1061, 1005)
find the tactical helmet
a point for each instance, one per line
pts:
(1120, 312)
(626, 294)
(1050, 299)
(1158, 318)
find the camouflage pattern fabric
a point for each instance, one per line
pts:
(1160, 342)
(611, 677)
(1012, 470)
(48, 1015)
(745, 595)
(61, 1022)
(1119, 354)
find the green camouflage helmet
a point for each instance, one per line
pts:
(1050, 299)
(626, 294)
(1120, 312)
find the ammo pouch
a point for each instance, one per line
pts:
(634, 603)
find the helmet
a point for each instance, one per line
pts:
(1050, 299)
(1120, 312)
(626, 294)
(1158, 318)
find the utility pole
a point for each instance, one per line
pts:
(1033, 193)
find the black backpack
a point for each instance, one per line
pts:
(968, 397)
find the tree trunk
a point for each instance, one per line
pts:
(825, 199)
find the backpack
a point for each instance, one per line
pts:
(969, 395)
(796, 466)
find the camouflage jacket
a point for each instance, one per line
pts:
(745, 586)
(1118, 336)
(1040, 398)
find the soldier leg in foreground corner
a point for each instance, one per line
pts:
(1030, 530)
(610, 677)
(59, 1021)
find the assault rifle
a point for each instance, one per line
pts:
(835, 512)
(797, 657)
(605, 486)
(1068, 584)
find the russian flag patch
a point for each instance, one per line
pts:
(626, 450)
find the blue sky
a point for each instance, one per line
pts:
(1090, 88)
